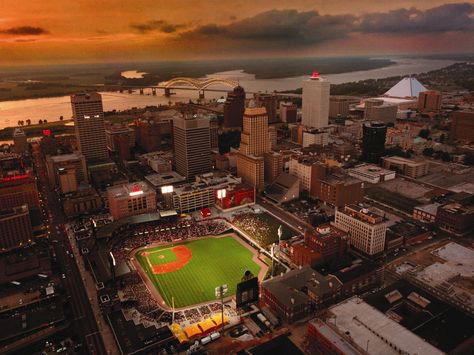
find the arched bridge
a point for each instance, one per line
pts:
(199, 84)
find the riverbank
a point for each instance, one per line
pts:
(27, 85)
(36, 130)
(53, 108)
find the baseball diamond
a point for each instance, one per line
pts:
(190, 271)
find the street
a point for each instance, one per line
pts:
(83, 322)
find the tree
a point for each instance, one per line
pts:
(469, 159)
(28, 122)
(445, 156)
(61, 118)
(428, 152)
(45, 121)
(424, 133)
(40, 122)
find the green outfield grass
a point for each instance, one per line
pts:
(215, 261)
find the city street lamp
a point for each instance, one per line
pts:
(221, 291)
(280, 233)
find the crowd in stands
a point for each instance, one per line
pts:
(256, 228)
(135, 296)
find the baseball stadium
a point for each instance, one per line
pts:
(184, 274)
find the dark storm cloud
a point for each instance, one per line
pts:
(157, 25)
(24, 31)
(444, 18)
(299, 28)
(281, 26)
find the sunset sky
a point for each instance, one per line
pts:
(59, 31)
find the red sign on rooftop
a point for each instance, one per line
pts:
(315, 74)
(14, 177)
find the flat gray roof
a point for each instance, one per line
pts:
(370, 328)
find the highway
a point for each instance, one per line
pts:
(83, 322)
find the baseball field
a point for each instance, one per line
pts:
(190, 271)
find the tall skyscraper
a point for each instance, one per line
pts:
(255, 138)
(270, 102)
(315, 101)
(254, 142)
(88, 117)
(192, 145)
(234, 108)
(373, 141)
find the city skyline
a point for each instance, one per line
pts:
(50, 32)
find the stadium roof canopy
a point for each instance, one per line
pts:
(407, 87)
(108, 230)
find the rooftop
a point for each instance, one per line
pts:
(325, 231)
(209, 180)
(430, 208)
(363, 214)
(65, 157)
(108, 230)
(336, 339)
(374, 331)
(407, 87)
(288, 287)
(420, 312)
(401, 160)
(370, 169)
(129, 190)
(168, 178)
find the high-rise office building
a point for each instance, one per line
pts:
(88, 117)
(149, 134)
(254, 142)
(192, 145)
(234, 108)
(429, 101)
(339, 105)
(373, 141)
(315, 101)
(15, 227)
(462, 125)
(270, 102)
(366, 229)
(288, 112)
(255, 138)
(58, 163)
(119, 130)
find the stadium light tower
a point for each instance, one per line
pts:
(221, 291)
(280, 233)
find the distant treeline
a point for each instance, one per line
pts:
(459, 76)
